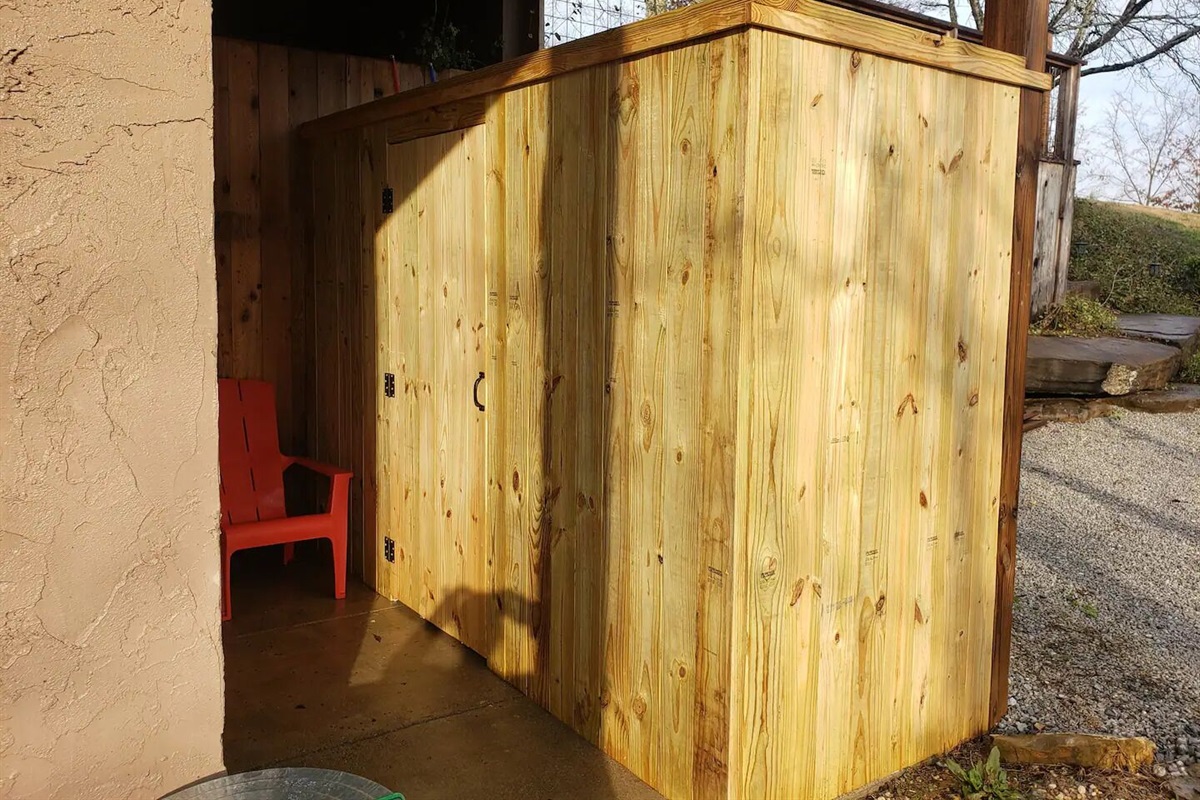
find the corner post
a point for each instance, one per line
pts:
(1016, 26)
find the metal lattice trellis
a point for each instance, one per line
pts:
(566, 20)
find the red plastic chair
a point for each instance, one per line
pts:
(252, 504)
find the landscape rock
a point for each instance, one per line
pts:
(1185, 788)
(1077, 749)
(1173, 329)
(1098, 366)
(1172, 400)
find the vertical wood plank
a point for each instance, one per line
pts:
(302, 106)
(405, 165)
(376, 570)
(244, 197)
(331, 83)
(473, 600)
(624, 708)
(495, 243)
(349, 332)
(724, 177)
(680, 256)
(324, 310)
(276, 163)
(354, 85)
(223, 233)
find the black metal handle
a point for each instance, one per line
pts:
(475, 391)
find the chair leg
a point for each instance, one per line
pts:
(226, 595)
(339, 565)
(289, 552)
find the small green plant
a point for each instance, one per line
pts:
(438, 45)
(1191, 369)
(1085, 606)
(1076, 316)
(985, 780)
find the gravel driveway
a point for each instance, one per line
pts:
(1106, 632)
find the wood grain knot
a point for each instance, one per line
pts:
(797, 591)
(769, 566)
(908, 401)
(879, 605)
(946, 170)
(516, 481)
(816, 100)
(639, 707)
(855, 61)
(918, 615)
(962, 351)
(974, 401)
(924, 500)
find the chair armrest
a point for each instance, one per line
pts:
(328, 470)
(339, 483)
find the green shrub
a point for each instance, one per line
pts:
(1076, 316)
(1191, 369)
(1115, 245)
(984, 780)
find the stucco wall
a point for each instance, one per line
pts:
(110, 659)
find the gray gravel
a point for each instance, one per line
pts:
(1106, 631)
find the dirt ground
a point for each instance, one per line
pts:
(932, 781)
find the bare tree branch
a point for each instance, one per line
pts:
(1150, 55)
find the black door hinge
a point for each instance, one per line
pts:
(387, 200)
(389, 549)
(389, 385)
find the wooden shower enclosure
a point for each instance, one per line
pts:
(674, 363)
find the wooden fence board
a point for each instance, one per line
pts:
(267, 300)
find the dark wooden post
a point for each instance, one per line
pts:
(521, 27)
(1016, 26)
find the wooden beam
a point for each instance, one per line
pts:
(820, 22)
(1016, 26)
(436, 120)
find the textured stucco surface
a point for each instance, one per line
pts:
(110, 659)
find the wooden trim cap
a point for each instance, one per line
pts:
(806, 19)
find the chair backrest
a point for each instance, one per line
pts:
(248, 449)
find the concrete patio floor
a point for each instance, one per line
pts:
(366, 686)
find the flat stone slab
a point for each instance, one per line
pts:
(1172, 400)
(1107, 365)
(1185, 788)
(1077, 749)
(1173, 329)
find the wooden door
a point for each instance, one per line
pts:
(431, 496)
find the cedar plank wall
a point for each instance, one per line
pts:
(262, 92)
(870, 413)
(613, 462)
